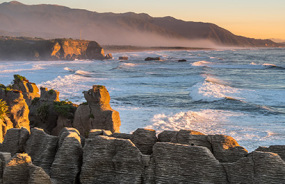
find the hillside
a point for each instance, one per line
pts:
(53, 21)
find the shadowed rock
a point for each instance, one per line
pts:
(111, 160)
(176, 163)
(15, 140)
(68, 159)
(144, 139)
(4, 159)
(226, 149)
(279, 149)
(42, 148)
(5, 124)
(166, 135)
(122, 135)
(21, 170)
(257, 167)
(98, 114)
(152, 59)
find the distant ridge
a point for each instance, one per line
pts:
(53, 21)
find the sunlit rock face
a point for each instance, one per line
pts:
(97, 113)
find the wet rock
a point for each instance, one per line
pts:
(257, 167)
(144, 139)
(68, 159)
(152, 59)
(226, 149)
(176, 163)
(166, 135)
(15, 140)
(123, 58)
(182, 60)
(109, 56)
(111, 160)
(192, 138)
(98, 114)
(42, 148)
(279, 149)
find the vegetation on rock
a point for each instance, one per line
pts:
(3, 108)
(51, 91)
(18, 78)
(35, 100)
(43, 111)
(65, 109)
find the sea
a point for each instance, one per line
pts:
(235, 92)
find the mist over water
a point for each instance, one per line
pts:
(240, 93)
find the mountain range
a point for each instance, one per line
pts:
(54, 21)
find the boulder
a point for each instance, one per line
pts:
(15, 140)
(144, 139)
(152, 59)
(68, 159)
(98, 114)
(166, 136)
(111, 160)
(279, 149)
(42, 148)
(109, 56)
(21, 170)
(176, 163)
(226, 149)
(182, 60)
(94, 51)
(257, 167)
(192, 138)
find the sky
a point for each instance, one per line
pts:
(251, 18)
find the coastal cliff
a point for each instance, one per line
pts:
(22, 48)
(53, 141)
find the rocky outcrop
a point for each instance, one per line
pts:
(18, 110)
(176, 163)
(144, 139)
(15, 140)
(21, 170)
(279, 149)
(5, 124)
(42, 148)
(68, 159)
(29, 90)
(257, 167)
(97, 114)
(152, 59)
(166, 135)
(109, 56)
(56, 49)
(111, 160)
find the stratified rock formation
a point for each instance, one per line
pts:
(56, 49)
(97, 114)
(104, 158)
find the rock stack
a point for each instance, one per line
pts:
(140, 158)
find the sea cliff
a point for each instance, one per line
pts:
(22, 48)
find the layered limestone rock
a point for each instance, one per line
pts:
(15, 140)
(4, 159)
(279, 149)
(5, 124)
(68, 159)
(111, 160)
(98, 114)
(42, 148)
(29, 90)
(166, 135)
(18, 110)
(144, 139)
(177, 163)
(257, 167)
(21, 170)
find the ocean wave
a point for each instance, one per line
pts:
(201, 63)
(68, 69)
(34, 67)
(82, 72)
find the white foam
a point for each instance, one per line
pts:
(201, 63)
(68, 69)
(82, 72)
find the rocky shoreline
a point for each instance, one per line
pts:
(45, 140)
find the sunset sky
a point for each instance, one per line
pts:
(251, 18)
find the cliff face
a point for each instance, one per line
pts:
(56, 49)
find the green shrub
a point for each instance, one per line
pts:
(84, 103)
(91, 116)
(35, 100)
(51, 91)
(65, 109)
(3, 108)
(18, 78)
(43, 112)
(2, 86)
